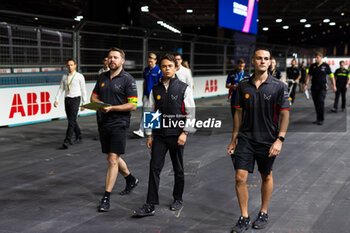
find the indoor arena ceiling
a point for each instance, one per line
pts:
(315, 31)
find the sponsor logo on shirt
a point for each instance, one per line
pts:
(247, 96)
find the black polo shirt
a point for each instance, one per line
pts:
(292, 73)
(117, 91)
(261, 108)
(341, 77)
(319, 75)
(275, 73)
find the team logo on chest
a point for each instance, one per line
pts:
(267, 97)
(174, 97)
(103, 84)
(247, 96)
(158, 97)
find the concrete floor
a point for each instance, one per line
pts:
(44, 189)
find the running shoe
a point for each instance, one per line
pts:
(176, 205)
(104, 206)
(261, 221)
(145, 210)
(242, 225)
(129, 187)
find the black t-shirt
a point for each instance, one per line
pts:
(275, 73)
(292, 73)
(261, 108)
(341, 77)
(120, 90)
(319, 75)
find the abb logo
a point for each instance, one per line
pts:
(32, 104)
(211, 86)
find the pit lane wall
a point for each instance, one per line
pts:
(33, 104)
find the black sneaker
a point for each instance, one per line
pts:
(261, 221)
(176, 205)
(78, 141)
(145, 210)
(242, 225)
(104, 206)
(129, 187)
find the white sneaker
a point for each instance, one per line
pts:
(139, 133)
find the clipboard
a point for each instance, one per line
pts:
(96, 106)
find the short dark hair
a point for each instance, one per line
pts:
(178, 54)
(240, 61)
(318, 54)
(122, 54)
(273, 58)
(262, 48)
(169, 57)
(71, 59)
(341, 62)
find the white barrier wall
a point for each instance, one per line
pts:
(32, 104)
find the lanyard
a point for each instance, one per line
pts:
(273, 72)
(240, 76)
(69, 83)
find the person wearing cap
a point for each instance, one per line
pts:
(151, 76)
(318, 72)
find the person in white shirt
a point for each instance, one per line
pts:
(105, 67)
(73, 85)
(182, 72)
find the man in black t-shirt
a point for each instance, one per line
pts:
(342, 81)
(293, 77)
(319, 71)
(117, 88)
(260, 124)
(273, 71)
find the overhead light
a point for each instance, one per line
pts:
(78, 18)
(144, 9)
(307, 25)
(347, 24)
(340, 26)
(257, 20)
(278, 20)
(332, 23)
(285, 27)
(303, 20)
(326, 20)
(342, 14)
(167, 26)
(265, 28)
(189, 11)
(36, 18)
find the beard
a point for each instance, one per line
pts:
(114, 66)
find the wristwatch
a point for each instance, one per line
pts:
(185, 132)
(280, 138)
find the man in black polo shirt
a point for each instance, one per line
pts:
(174, 99)
(117, 88)
(342, 81)
(260, 124)
(319, 71)
(273, 71)
(293, 77)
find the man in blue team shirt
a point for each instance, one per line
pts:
(232, 81)
(151, 75)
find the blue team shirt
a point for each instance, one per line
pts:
(151, 78)
(234, 78)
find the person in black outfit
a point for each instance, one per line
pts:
(261, 122)
(303, 77)
(342, 82)
(273, 71)
(319, 71)
(293, 77)
(174, 100)
(117, 88)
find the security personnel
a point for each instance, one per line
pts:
(261, 122)
(273, 71)
(151, 75)
(342, 82)
(293, 77)
(73, 86)
(173, 98)
(319, 71)
(233, 78)
(117, 88)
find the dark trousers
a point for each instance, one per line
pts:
(318, 96)
(341, 90)
(72, 107)
(160, 147)
(292, 93)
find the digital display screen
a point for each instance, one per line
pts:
(240, 15)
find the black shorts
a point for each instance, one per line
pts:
(247, 152)
(113, 139)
